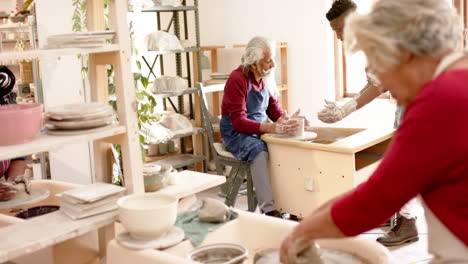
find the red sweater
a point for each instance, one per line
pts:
(235, 100)
(428, 156)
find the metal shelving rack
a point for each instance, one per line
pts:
(29, 28)
(175, 23)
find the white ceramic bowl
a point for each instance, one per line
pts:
(147, 216)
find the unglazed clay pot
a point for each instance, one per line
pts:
(147, 216)
(156, 176)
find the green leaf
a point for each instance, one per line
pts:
(138, 63)
(144, 81)
(152, 101)
(140, 97)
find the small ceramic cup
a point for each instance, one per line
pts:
(153, 149)
(300, 129)
(163, 148)
(170, 146)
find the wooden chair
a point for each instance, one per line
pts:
(222, 157)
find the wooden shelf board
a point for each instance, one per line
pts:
(14, 26)
(208, 48)
(179, 161)
(44, 142)
(195, 131)
(14, 40)
(168, 8)
(150, 159)
(165, 95)
(33, 54)
(47, 230)
(161, 52)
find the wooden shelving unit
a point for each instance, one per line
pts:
(30, 236)
(179, 25)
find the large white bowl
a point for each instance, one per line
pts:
(148, 215)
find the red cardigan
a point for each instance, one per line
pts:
(235, 100)
(428, 156)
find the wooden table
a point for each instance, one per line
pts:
(254, 231)
(41, 232)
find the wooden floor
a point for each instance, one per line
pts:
(413, 253)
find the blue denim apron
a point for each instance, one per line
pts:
(247, 146)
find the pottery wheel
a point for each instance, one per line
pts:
(307, 136)
(23, 198)
(174, 236)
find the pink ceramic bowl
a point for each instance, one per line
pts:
(20, 123)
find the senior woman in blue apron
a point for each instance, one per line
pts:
(410, 45)
(250, 99)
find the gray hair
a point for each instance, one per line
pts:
(254, 51)
(422, 27)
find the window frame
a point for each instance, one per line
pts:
(341, 87)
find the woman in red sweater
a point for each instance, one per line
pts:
(410, 46)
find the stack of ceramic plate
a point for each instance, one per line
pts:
(78, 118)
(90, 200)
(80, 40)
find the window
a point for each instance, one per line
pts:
(349, 70)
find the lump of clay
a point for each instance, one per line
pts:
(303, 252)
(267, 256)
(213, 211)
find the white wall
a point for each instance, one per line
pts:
(62, 84)
(300, 23)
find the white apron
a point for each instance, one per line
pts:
(443, 244)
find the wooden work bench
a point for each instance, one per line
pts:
(305, 174)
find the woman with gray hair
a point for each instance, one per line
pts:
(410, 46)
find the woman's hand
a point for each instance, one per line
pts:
(298, 116)
(286, 126)
(7, 191)
(285, 248)
(294, 249)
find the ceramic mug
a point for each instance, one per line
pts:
(163, 148)
(170, 146)
(153, 149)
(300, 129)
